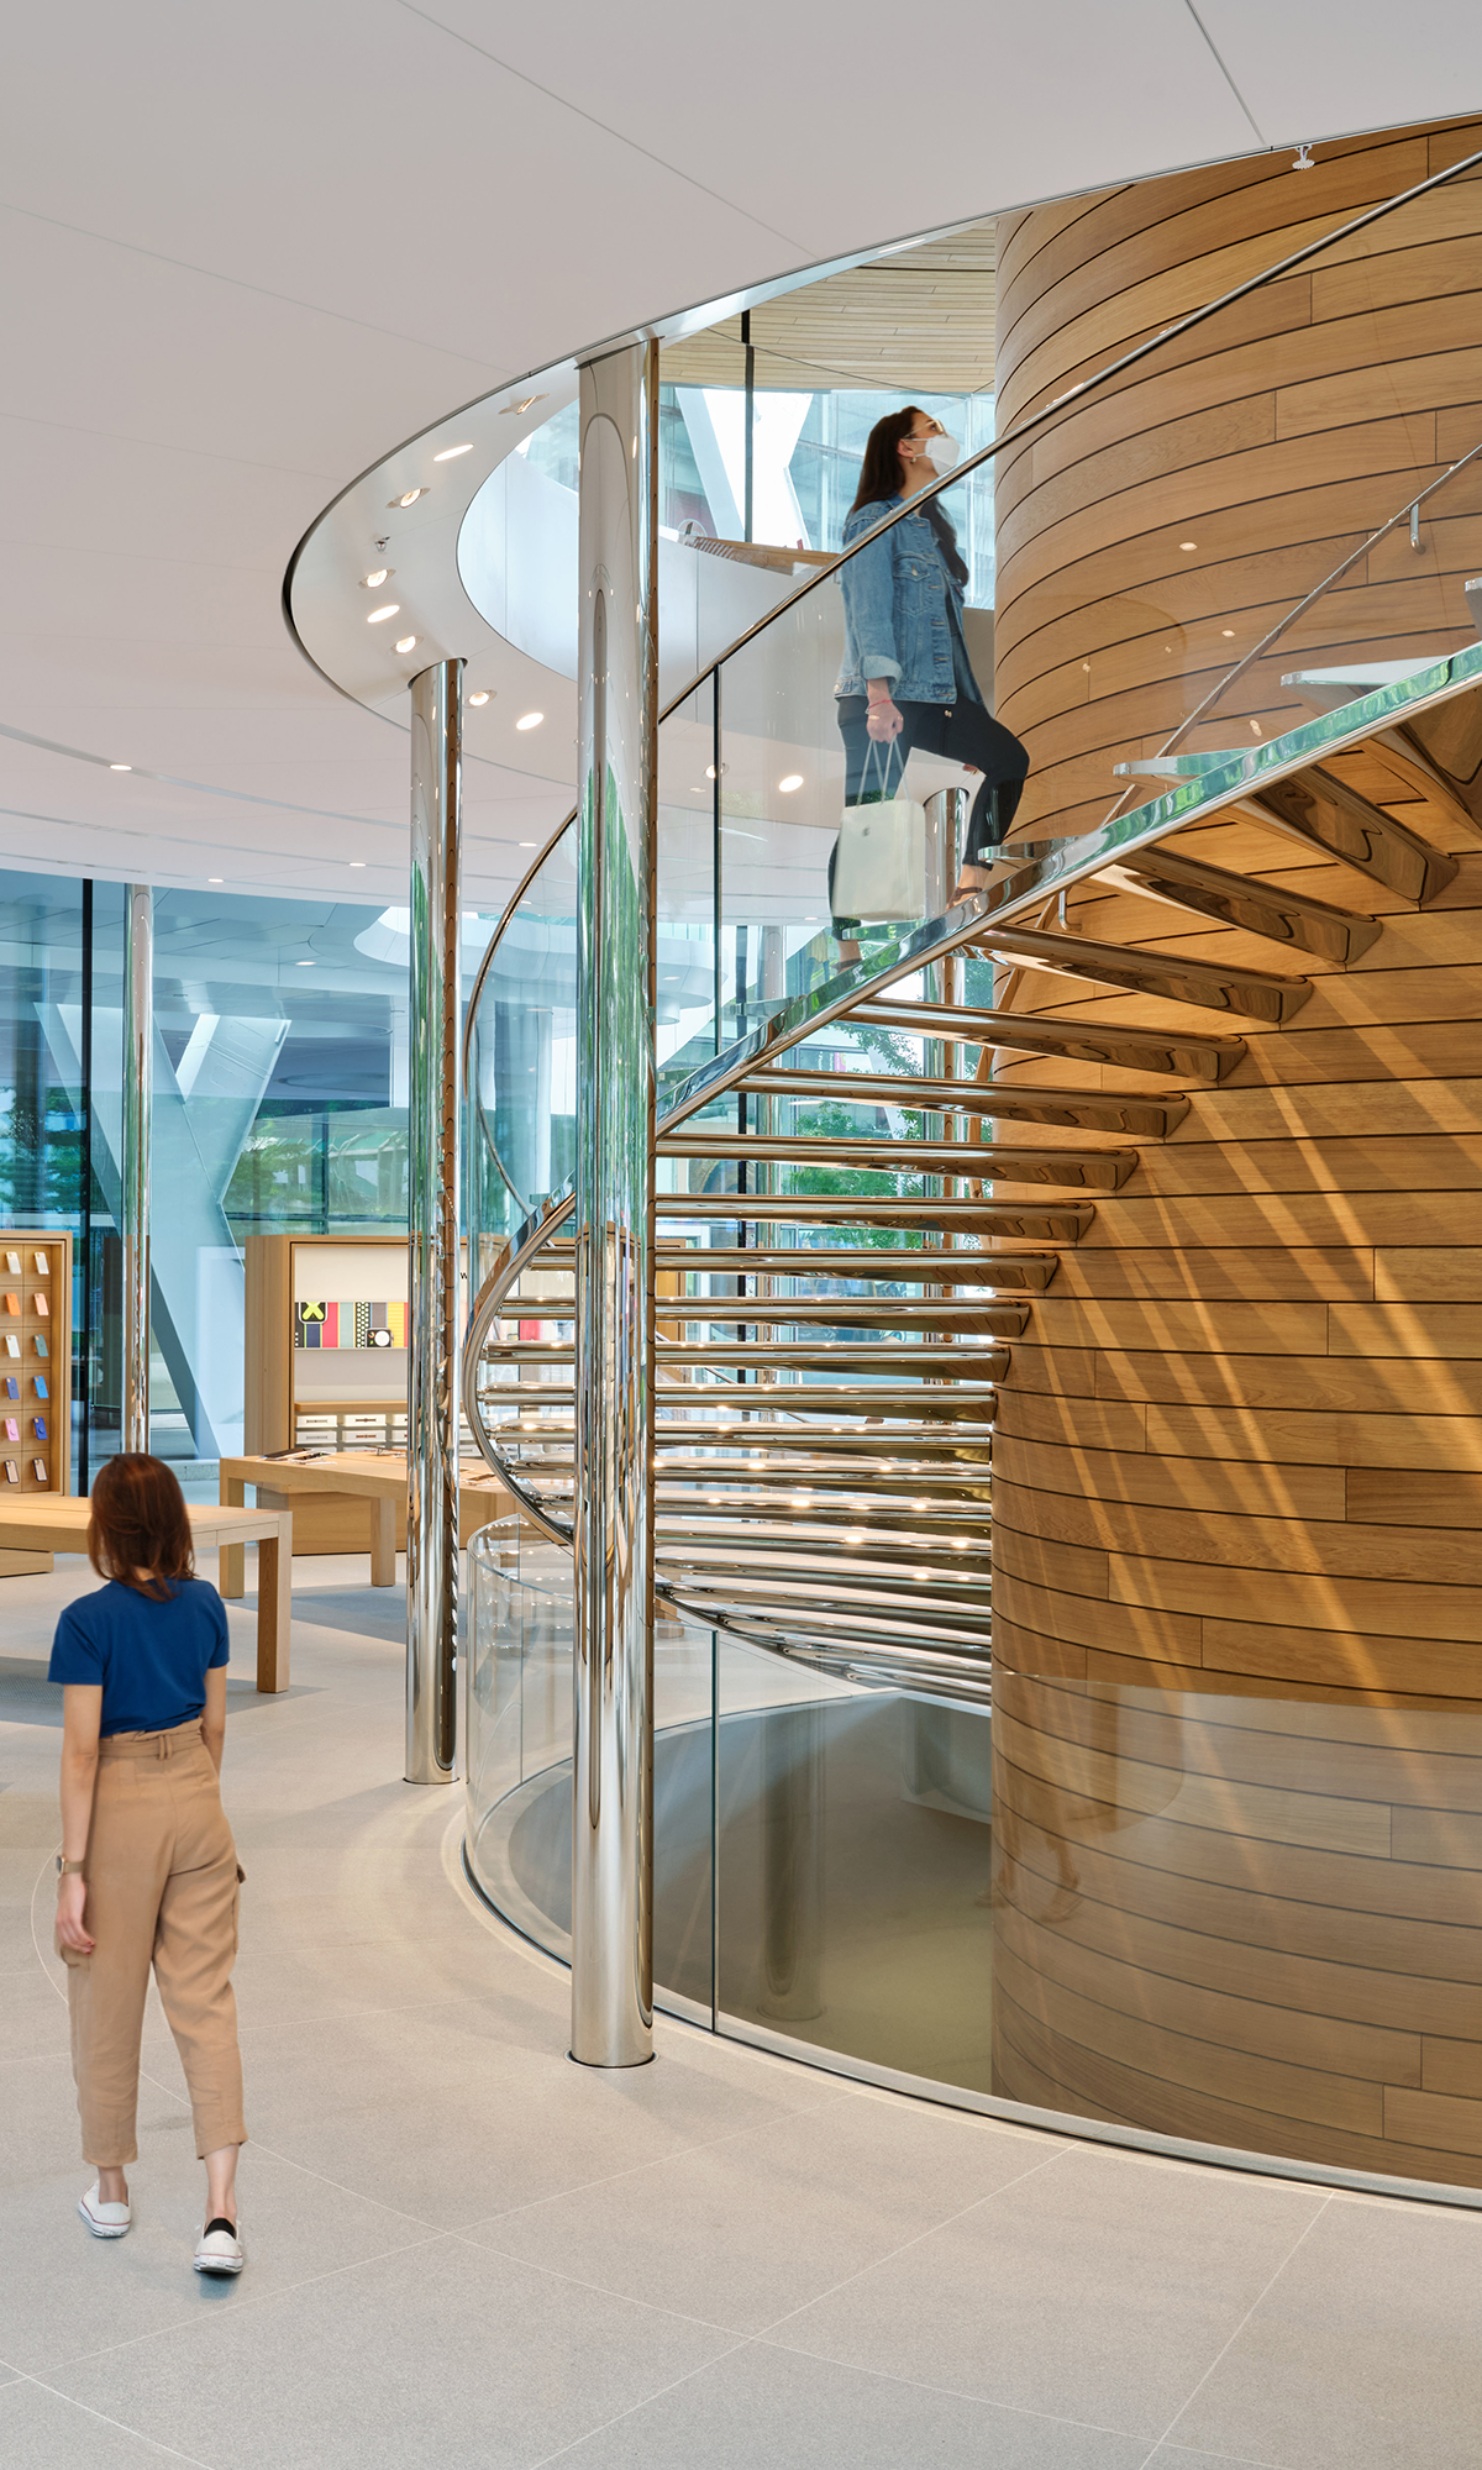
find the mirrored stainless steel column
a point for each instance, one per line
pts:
(612, 1846)
(138, 1103)
(433, 1129)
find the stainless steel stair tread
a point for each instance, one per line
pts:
(1097, 1170)
(1026, 1101)
(1209, 985)
(1063, 1222)
(1010, 1269)
(1206, 1059)
(1249, 902)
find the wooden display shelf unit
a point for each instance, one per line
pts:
(281, 1412)
(35, 1375)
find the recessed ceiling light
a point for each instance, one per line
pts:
(409, 497)
(378, 617)
(216, 879)
(120, 767)
(529, 844)
(406, 643)
(481, 697)
(450, 454)
(789, 782)
(1229, 633)
(529, 720)
(303, 964)
(1188, 544)
(373, 582)
(357, 861)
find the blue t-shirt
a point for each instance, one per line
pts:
(151, 1657)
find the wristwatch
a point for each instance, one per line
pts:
(68, 1869)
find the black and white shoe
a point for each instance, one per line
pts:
(219, 2249)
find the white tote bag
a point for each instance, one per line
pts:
(880, 864)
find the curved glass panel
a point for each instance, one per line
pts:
(521, 1054)
(1224, 1906)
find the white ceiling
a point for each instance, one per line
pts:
(244, 252)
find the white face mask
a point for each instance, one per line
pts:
(942, 453)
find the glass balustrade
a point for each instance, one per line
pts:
(1082, 1902)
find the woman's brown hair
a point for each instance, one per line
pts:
(880, 478)
(139, 1531)
(880, 471)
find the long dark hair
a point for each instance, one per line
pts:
(139, 1523)
(880, 478)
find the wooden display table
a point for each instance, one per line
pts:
(361, 1475)
(60, 1524)
(376, 1476)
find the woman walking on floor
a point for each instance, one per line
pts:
(147, 1874)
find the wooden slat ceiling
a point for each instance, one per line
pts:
(922, 320)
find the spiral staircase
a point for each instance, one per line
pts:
(863, 1194)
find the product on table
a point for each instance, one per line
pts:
(38, 1469)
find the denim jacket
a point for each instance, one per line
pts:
(901, 610)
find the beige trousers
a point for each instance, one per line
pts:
(162, 1886)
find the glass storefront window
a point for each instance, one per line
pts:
(280, 1072)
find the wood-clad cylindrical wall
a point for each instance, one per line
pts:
(1149, 537)
(1238, 1461)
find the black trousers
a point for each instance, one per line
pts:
(963, 733)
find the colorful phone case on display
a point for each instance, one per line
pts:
(12, 1472)
(12, 1428)
(38, 1426)
(13, 1264)
(12, 1386)
(43, 1267)
(38, 1469)
(12, 1303)
(41, 1306)
(12, 1346)
(40, 1346)
(38, 1383)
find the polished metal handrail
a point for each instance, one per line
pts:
(1237, 670)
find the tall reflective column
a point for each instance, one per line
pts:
(612, 1839)
(433, 1124)
(138, 1102)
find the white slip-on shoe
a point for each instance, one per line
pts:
(219, 2249)
(104, 2220)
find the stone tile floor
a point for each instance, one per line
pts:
(465, 2251)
